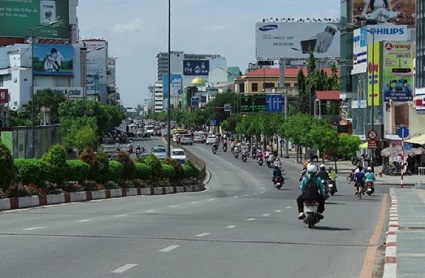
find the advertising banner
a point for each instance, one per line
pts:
(97, 58)
(398, 70)
(275, 40)
(373, 74)
(175, 85)
(375, 12)
(69, 92)
(196, 67)
(4, 95)
(53, 59)
(359, 50)
(21, 17)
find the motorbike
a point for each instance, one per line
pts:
(138, 151)
(260, 159)
(326, 188)
(278, 182)
(369, 188)
(224, 146)
(360, 192)
(245, 155)
(350, 177)
(214, 149)
(310, 211)
(331, 187)
(236, 152)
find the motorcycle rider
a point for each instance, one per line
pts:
(333, 176)
(215, 145)
(359, 178)
(276, 172)
(138, 151)
(312, 174)
(254, 151)
(369, 175)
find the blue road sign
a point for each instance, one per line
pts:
(194, 101)
(403, 132)
(213, 122)
(274, 103)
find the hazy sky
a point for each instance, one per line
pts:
(137, 30)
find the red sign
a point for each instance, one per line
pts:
(4, 95)
(371, 144)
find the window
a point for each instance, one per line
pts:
(287, 85)
(254, 87)
(268, 85)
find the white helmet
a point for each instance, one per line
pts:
(312, 168)
(369, 168)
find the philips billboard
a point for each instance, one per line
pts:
(22, 16)
(275, 40)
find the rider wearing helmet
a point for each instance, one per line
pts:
(369, 175)
(276, 171)
(333, 176)
(311, 174)
(322, 174)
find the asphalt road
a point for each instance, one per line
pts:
(240, 227)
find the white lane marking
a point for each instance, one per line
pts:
(33, 228)
(194, 202)
(288, 207)
(173, 206)
(250, 219)
(120, 215)
(124, 268)
(169, 248)
(235, 196)
(278, 210)
(149, 211)
(230, 226)
(266, 214)
(83, 220)
(209, 200)
(203, 234)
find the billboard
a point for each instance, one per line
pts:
(53, 59)
(375, 12)
(68, 92)
(97, 59)
(373, 74)
(21, 17)
(4, 95)
(253, 103)
(196, 67)
(275, 40)
(398, 70)
(175, 85)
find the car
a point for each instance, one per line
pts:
(179, 155)
(211, 139)
(159, 151)
(149, 129)
(186, 139)
(199, 138)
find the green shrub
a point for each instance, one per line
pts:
(127, 163)
(111, 185)
(188, 171)
(142, 171)
(155, 165)
(116, 171)
(89, 157)
(33, 171)
(103, 167)
(195, 170)
(56, 159)
(8, 170)
(168, 171)
(89, 185)
(178, 169)
(23, 190)
(78, 170)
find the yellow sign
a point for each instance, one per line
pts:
(373, 74)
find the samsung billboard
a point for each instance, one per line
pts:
(275, 40)
(21, 17)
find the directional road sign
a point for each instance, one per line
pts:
(274, 103)
(253, 103)
(403, 132)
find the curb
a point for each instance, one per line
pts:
(82, 196)
(390, 265)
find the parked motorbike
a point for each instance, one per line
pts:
(278, 182)
(369, 188)
(310, 211)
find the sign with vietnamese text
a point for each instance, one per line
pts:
(253, 103)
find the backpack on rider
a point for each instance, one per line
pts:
(310, 191)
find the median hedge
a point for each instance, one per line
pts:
(92, 171)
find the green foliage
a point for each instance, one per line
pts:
(194, 170)
(230, 123)
(128, 164)
(188, 171)
(116, 171)
(168, 171)
(323, 136)
(89, 156)
(295, 128)
(29, 171)
(155, 165)
(142, 171)
(56, 159)
(176, 165)
(103, 168)
(8, 170)
(348, 144)
(77, 170)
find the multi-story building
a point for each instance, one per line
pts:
(156, 96)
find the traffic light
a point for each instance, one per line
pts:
(215, 107)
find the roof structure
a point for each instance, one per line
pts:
(288, 71)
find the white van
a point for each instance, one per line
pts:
(149, 129)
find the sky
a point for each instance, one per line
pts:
(137, 30)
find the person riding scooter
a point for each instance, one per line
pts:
(370, 177)
(276, 172)
(311, 176)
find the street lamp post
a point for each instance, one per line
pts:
(33, 83)
(169, 82)
(372, 68)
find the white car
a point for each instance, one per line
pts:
(211, 139)
(179, 155)
(186, 139)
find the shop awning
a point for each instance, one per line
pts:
(417, 140)
(363, 146)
